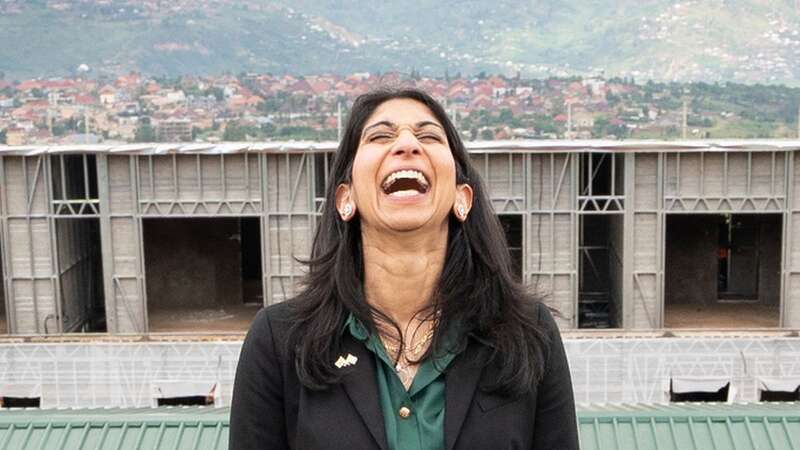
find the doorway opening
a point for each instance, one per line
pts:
(600, 270)
(80, 274)
(4, 328)
(512, 227)
(203, 274)
(722, 271)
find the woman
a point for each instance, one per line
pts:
(410, 331)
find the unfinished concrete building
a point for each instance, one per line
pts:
(130, 272)
(626, 235)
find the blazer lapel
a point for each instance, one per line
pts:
(361, 387)
(461, 379)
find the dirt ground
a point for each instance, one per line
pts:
(227, 318)
(721, 315)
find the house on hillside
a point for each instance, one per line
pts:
(16, 136)
(582, 119)
(108, 95)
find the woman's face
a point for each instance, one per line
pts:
(404, 175)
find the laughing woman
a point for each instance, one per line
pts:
(410, 331)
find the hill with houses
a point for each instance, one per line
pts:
(259, 107)
(747, 41)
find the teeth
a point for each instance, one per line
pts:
(404, 193)
(414, 174)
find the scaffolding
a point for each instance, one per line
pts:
(587, 219)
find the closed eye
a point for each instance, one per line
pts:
(380, 137)
(429, 137)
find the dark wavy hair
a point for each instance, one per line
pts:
(477, 292)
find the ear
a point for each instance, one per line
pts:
(344, 202)
(463, 203)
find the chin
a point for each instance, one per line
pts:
(407, 222)
(406, 225)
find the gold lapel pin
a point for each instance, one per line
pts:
(346, 361)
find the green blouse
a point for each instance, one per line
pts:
(414, 419)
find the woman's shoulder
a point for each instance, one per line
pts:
(272, 321)
(548, 327)
(278, 312)
(544, 316)
(538, 314)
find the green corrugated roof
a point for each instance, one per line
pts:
(175, 428)
(680, 426)
(635, 426)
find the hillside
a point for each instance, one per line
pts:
(746, 41)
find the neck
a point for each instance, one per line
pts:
(402, 271)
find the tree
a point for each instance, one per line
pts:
(59, 129)
(268, 128)
(506, 116)
(144, 133)
(487, 134)
(2, 136)
(599, 127)
(218, 93)
(544, 124)
(612, 99)
(620, 131)
(233, 132)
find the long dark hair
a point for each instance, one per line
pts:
(477, 293)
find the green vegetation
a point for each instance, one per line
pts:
(144, 133)
(745, 40)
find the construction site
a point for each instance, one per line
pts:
(131, 272)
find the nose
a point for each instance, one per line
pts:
(406, 144)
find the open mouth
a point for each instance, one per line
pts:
(405, 183)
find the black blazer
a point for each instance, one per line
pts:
(271, 410)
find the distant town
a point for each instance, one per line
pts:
(263, 107)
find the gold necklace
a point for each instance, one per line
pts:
(413, 351)
(405, 368)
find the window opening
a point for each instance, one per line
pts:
(20, 402)
(780, 396)
(720, 395)
(74, 179)
(601, 182)
(191, 400)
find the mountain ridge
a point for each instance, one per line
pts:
(748, 41)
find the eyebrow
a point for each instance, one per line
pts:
(393, 125)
